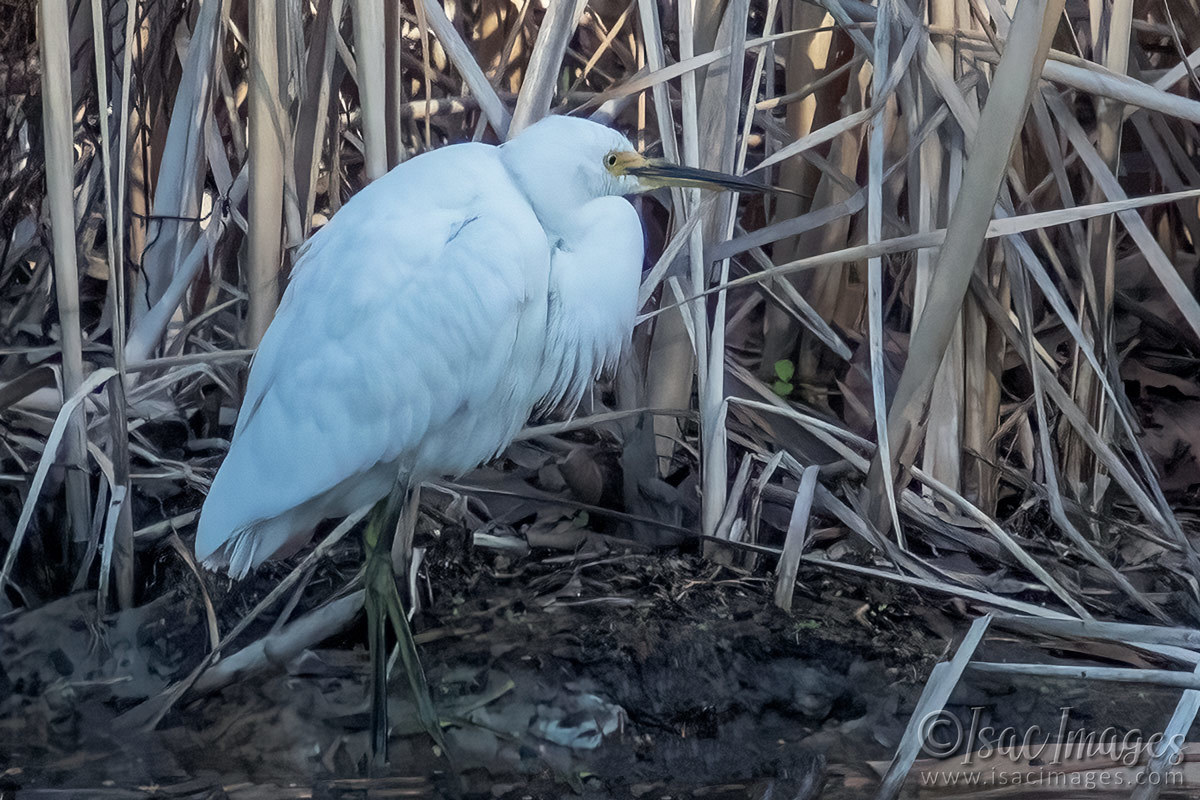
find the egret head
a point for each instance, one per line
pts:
(637, 173)
(563, 162)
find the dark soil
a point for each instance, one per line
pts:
(609, 676)
(613, 675)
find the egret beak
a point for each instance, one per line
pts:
(655, 173)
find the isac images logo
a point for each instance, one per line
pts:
(1068, 754)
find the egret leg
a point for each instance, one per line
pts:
(384, 605)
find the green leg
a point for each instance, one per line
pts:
(383, 604)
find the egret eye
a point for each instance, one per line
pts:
(610, 160)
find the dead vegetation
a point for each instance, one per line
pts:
(962, 358)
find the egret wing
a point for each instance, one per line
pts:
(406, 342)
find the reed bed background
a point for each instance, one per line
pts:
(962, 356)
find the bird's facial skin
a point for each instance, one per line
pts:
(620, 162)
(653, 173)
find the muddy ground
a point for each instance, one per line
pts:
(600, 674)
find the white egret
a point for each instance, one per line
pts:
(440, 307)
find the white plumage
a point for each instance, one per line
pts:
(423, 325)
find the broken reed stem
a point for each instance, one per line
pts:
(371, 60)
(266, 152)
(118, 546)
